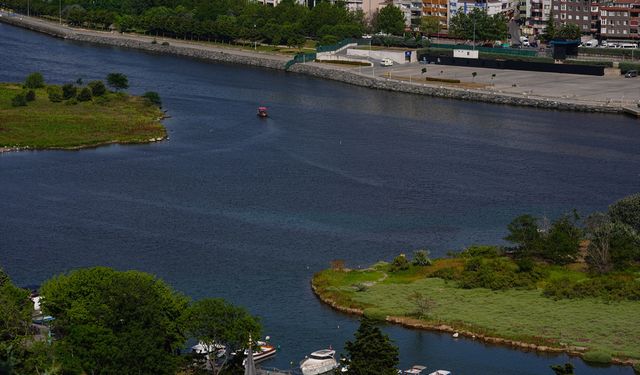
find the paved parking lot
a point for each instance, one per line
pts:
(613, 89)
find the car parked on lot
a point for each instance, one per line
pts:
(386, 62)
(631, 73)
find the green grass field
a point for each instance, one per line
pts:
(521, 315)
(42, 124)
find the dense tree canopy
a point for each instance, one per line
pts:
(288, 23)
(372, 352)
(390, 20)
(15, 320)
(487, 28)
(114, 322)
(627, 211)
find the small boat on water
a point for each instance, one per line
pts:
(207, 349)
(262, 353)
(415, 370)
(441, 372)
(319, 362)
(262, 112)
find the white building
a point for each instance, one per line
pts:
(412, 10)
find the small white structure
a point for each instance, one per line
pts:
(465, 53)
(398, 57)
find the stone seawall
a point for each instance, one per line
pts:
(313, 69)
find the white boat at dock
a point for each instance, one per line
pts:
(319, 362)
(415, 370)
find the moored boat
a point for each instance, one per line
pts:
(262, 353)
(262, 112)
(319, 362)
(415, 370)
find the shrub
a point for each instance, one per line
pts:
(421, 258)
(69, 91)
(72, 101)
(483, 251)
(446, 274)
(55, 94)
(525, 264)
(34, 81)
(360, 287)
(495, 274)
(608, 287)
(118, 81)
(399, 263)
(625, 67)
(165, 43)
(20, 100)
(153, 98)
(97, 88)
(596, 356)
(636, 368)
(85, 95)
(30, 95)
(154, 41)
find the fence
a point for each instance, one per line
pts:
(300, 58)
(503, 51)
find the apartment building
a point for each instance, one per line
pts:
(583, 13)
(437, 8)
(507, 7)
(412, 10)
(619, 19)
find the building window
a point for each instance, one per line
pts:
(570, 17)
(563, 16)
(563, 7)
(555, 16)
(624, 32)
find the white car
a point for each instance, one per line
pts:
(386, 62)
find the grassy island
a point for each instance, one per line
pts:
(555, 291)
(46, 117)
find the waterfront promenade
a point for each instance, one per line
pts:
(609, 93)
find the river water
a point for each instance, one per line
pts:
(246, 209)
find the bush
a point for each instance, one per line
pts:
(85, 95)
(636, 368)
(446, 274)
(55, 94)
(165, 43)
(496, 274)
(421, 258)
(97, 88)
(20, 100)
(69, 91)
(34, 81)
(399, 263)
(360, 287)
(595, 356)
(483, 251)
(153, 98)
(30, 95)
(72, 101)
(625, 67)
(609, 287)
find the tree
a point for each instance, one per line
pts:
(390, 20)
(478, 25)
(97, 88)
(399, 263)
(109, 321)
(423, 304)
(563, 240)
(69, 91)
(429, 25)
(372, 352)
(569, 31)
(550, 28)
(15, 319)
(524, 232)
(153, 98)
(627, 211)
(34, 81)
(421, 258)
(612, 244)
(85, 95)
(566, 369)
(118, 81)
(214, 321)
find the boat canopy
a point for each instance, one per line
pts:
(322, 354)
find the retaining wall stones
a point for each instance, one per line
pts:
(315, 70)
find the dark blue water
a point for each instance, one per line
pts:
(246, 209)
